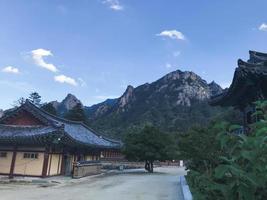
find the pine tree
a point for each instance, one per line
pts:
(35, 98)
(76, 113)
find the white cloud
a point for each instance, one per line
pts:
(263, 27)
(176, 53)
(173, 34)
(38, 57)
(65, 79)
(113, 4)
(168, 65)
(10, 69)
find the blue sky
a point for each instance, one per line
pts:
(95, 48)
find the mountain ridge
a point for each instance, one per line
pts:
(174, 102)
(156, 103)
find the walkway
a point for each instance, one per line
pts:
(134, 185)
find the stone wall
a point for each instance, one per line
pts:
(86, 169)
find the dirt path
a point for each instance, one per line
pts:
(135, 185)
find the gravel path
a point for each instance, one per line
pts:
(133, 185)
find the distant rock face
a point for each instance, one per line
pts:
(179, 88)
(126, 97)
(174, 102)
(168, 98)
(101, 108)
(1, 113)
(215, 88)
(55, 104)
(70, 101)
(67, 104)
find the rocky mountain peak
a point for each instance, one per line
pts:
(215, 88)
(70, 101)
(55, 104)
(1, 113)
(181, 75)
(127, 96)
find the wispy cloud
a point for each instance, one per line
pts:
(38, 58)
(65, 79)
(113, 4)
(168, 65)
(173, 34)
(10, 69)
(176, 53)
(263, 27)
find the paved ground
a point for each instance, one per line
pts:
(133, 185)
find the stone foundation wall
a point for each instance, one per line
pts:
(86, 169)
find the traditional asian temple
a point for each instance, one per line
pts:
(36, 143)
(249, 85)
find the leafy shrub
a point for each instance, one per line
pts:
(227, 166)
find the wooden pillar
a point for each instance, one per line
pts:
(45, 163)
(50, 162)
(58, 164)
(62, 169)
(13, 162)
(63, 155)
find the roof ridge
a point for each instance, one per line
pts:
(23, 126)
(51, 115)
(73, 122)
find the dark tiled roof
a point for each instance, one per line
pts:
(76, 132)
(249, 83)
(24, 131)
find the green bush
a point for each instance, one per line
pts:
(227, 166)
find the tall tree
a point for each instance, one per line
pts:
(149, 145)
(48, 107)
(35, 98)
(76, 113)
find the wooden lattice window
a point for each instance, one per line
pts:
(3, 154)
(30, 155)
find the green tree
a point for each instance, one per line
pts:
(226, 165)
(148, 145)
(35, 98)
(48, 107)
(76, 113)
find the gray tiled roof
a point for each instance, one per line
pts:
(76, 131)
(248, 85)
(24, 131)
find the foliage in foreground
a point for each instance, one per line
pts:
(149, 145)
(227, 166)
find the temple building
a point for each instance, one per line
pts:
(249, 85)
(36, 143)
